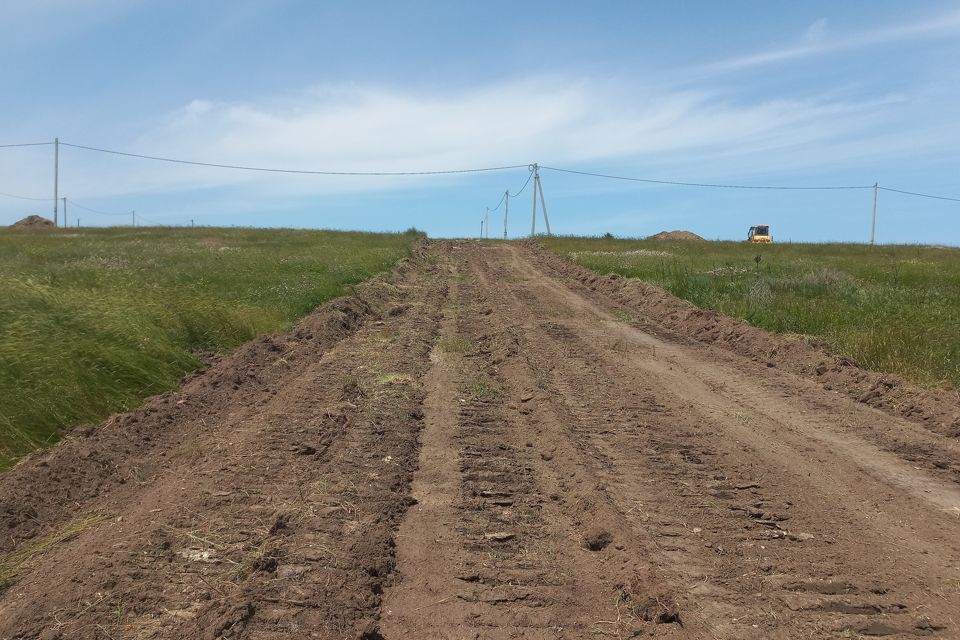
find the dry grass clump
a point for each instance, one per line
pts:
(10, 564)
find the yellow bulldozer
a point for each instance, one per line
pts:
(760, 234)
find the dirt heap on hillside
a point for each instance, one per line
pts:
(34, 223)
(676, 235)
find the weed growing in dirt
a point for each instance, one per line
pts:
(395, 378)
(484, 390)
(455, 344)
(94, 320)
(890, 308)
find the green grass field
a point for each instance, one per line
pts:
(94, 320)
(891, 308)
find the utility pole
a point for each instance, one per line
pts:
(64, 210)
(56, 178)
(533, 215)
(486, 224)
(506, 211)
(538, 187)
(873, 222)
(133, 218)
(543, 203)
(481, 228)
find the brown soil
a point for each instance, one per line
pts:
(34, 223)
(675, 235)
(493, 443)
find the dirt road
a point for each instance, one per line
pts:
(482, 446)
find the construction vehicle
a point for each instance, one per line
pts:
(760, 234)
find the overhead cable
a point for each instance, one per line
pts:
(153, 222)
(294, 171)
(25, 144)
(514, 195)
(529, 177)
(502, 198)
(922, 195)
(11, 195)
(104, 213)
(706, 184)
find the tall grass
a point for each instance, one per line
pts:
(891, 308)
(93, 321)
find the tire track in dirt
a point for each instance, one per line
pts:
(851, 480)
(508, 562)
(276, 521)
(746, 502)
(479, 445)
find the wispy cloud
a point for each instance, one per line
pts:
(816, 40)
(552, 120)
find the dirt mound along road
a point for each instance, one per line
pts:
(675, 235)
(34, 223)
(484, 445)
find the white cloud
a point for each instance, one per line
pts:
(680, 134)
(816, 32)
(551, 120)
(817, 41)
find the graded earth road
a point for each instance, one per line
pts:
(482, 445)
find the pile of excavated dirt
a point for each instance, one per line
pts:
(34, 223)
(676, 235)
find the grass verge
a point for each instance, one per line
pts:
(94, 320)
(890, 308)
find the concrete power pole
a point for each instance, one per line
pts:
(873, 221)
(64, 211)
(56, 178)
(533, 215)
(538, 188)
(543, 203)
(506, 211)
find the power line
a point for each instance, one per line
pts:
(105, 213)
(529, 176)
(294, 171)
(11, 195)
(705, 184)
(922, 195)
(448, 172)
(25, 144)
(153, 222)
(502, 198)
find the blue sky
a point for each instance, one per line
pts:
(812, 93)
